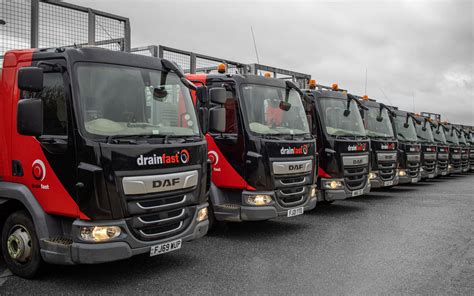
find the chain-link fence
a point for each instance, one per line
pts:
(45, 24)
(191, 62)
(301, 79)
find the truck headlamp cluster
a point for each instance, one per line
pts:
(372, 175)
(259, 199)
(99, 233)
(402, 173)
(202, 214)
(313, 192)
(333, 184)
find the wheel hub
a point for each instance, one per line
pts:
(19, 244)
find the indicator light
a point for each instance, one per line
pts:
(202, 214)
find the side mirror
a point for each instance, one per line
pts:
(172, 66)
(347, 112)
(379, 118)
(406, 125)
(202, 96)
(217, 120)
(30, 79)
(203, 117)
(285, 106)
(29, 117)
(218, 95)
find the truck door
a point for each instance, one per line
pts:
(49, 161)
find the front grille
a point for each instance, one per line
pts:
(292, 190)
(465, 164)
(387, 170)
(442, 165)
(355, 177)
(429, 166)
(456, 163)
(413, 169)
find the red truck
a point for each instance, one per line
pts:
(101, 158)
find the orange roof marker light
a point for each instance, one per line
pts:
(365, 97)
(267, 75)
(312, 84)
(221, 68)
(335, 86)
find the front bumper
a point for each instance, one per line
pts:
(408, 179)
(122, 247)
(377, 182)
(340, 194)
(245, 212)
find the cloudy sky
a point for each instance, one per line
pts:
(419, 55)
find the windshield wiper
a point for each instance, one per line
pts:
(132, 139)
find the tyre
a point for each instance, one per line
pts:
(20, 245)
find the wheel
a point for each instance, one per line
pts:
(20, 245)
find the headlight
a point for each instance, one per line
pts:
(202, 214)
(372, 176)
(313, 192)
(422, 170)
(333, 184)
(402, 173)
(99, 233)
(259, 199)
(450, 166)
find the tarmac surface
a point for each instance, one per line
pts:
(416, 239)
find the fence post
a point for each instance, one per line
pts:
(160, 52)
(127, 36)
(154, 51)
(192, 66)
(34, 40)
(91, 27)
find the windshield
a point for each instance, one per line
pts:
(336, 123)
(120, 100)
(377, 128)
(451, 136)
(426, 134)
(405, 133)
(462, 138)
(264, 115)
(439, 135)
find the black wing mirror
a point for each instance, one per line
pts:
(285, 106)
(29, 118)
(218, 95)
(30, 79)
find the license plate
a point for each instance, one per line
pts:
(357, 192)
(443, 173)
(431, 176)
(165, 247)
(414, 180)
(295, 212)
(388, 183)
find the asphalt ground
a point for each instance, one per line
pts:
(416, 239)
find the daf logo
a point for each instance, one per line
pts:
(357, 161)
(295, 167)
(165, 183)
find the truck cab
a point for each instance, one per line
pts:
(464, 150)
(428, 148)
(442, 148)
(470, 140)
(455, 165)
(409, 149)
(343, 146)
(260, 147)
(383, 143)
(102, 158)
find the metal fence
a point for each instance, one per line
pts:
(191, 62)
(46, 23)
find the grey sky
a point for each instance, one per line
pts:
(423, 49)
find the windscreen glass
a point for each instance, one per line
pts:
(451, 136)
(378, 123)
(120, 100)
(424, 133)
(407, 133)
(438, 134)
(340, 122)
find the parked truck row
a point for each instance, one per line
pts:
(106, 155)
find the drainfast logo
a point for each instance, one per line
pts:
(181, 157)
(303, 150)
(357, 147)
(387, 146)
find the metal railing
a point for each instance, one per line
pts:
(192, 62)
(47, 23)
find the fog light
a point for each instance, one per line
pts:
(372, 176)
(450, 166)
(334, 184)
(313, 192)
(422, 170)
(202, 214)
(99, 233)
(259, 199)
(402, 173)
